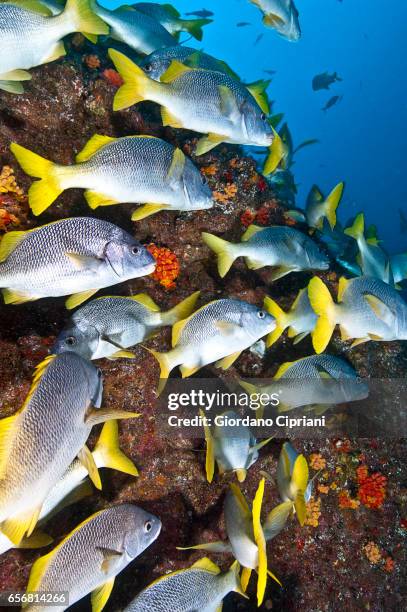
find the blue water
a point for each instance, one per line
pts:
(362, 138)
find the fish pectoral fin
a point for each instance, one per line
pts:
(253, 264)
(11, 296)
(375, 337)
(381, 310)
(147, 210)
(300, 337)
(95, 199)
(359, 341)
(207, 143)
(87, 460)
(20, 525)
(226, 362)
(169, 119)
(188, 370)
(84, 262)
(121, 354)
(228, 103)
(272, 20)
(78, 298)
(280, 272)
(176, 168)
(16, 75)
(57, 52)
(100, 595)
(227, 328)
(216, 547)
(241, 474)
(110, 558)
(344, 334)
(94, 416)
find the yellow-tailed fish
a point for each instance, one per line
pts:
(212, 103)
(92, 555)
(74, 484)
(134, 28)
(284, 248)
(31, 36)
(292, 480)
(118, 170)
(232, 447)
(282, 16)
(105, 327)
(372, 260)
(217, 332)
(300, 319)
(75, 256)
(199, 587)
(318, 207)
(38, 444)
(318, 381)
(159, 61)
(246, 538)
(367, 309)
(171, 20)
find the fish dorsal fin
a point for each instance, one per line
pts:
(34, 7)
(171, 10)
(37, 571)
(38, 374)
(297, 299)
(177, 330)
(145, 300)
(88, 461)
(258, 91)
(251, 231)
(343, 284)
(9, 243)
(228, 103)
(261, 543)
(207, 564)
(92, 146)
(283, 369)
(177, 167)
(381, 310)
(174, 71)
(210, 451)
(241, 501)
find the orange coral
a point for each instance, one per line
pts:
(8, 183)
(229, 192)
(345, 501)
(317, 461)
(372, 488)
(167, 269)
(92, 61)
(388, 565)
(313, 512)
(323, 488)
(372, 552)
(209, 170)
(113, 77)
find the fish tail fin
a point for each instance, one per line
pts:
(277, 152)
(44, 192)
(224, 251)
(83, 18)
(137, 85)
(107, 452)
(356, 230)
(324, 306)
(180, 311)
(194, 26)
(281, 320)
(332, 203)
(165, 367)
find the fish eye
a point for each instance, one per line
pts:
(263, 116)
(70, 341)
(135, 250)
(261, 314)
(204, 181)
(148, 526)
(148, 67)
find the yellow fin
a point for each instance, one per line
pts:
(245, 578)
(18, 526)
(37, 572)
(226, 362)
(95, 199)
(13, 87)
(38, 539)
(357, 230)
(180, 311)
(38, 374)
(241, 474)
(177, 331)
(343, 284)
(332, 203)
(107, 451)
(300, 473)
(277, 152)
(207, 565)
(174, 71)
(210, 454)
(6, 428)
(270, 573)
(11, 296)
(147, 210)
(100, 595)
(188, 370)
(344, 334)
(84, 18)
(10, 242)
(240, 499)
(137, 84)
(122, 354)
(282, 369)
(323, 305)
(258, 91)
(16, 75)
(280, 272)
(300, 507)
(271, 20)
(261, 543)
(359, 341)
(145, 300)
(93, 145)
(381, 310)
(223, 250)
(207, 143)
(78, 298)
(165, 367)
(177, 166)
(251, 231)
(87, 460)
(281, 320)
(168, 118)
(34, 6)
(57, 52)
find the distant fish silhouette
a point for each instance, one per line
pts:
(324, 80)
(258, 39)
(403, 222)
(204, 13)
(242, 24)
(270, 72)
(331, 102)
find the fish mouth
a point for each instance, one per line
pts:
(148, 269)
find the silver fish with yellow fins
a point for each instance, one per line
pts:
(317, 381)
(367, 309)
(247, 537)
(119, 170)
(293, 480)
(211, 103)
(282, 15)
(199, 587)
(79, 255)
(284, 248)
(93, 554)
(171, 19)
(31, 36)
(107, 326)
(74, 484)
(217, 332)
(318, 207)
(232, 447)
(57, 424)
(300, 319)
